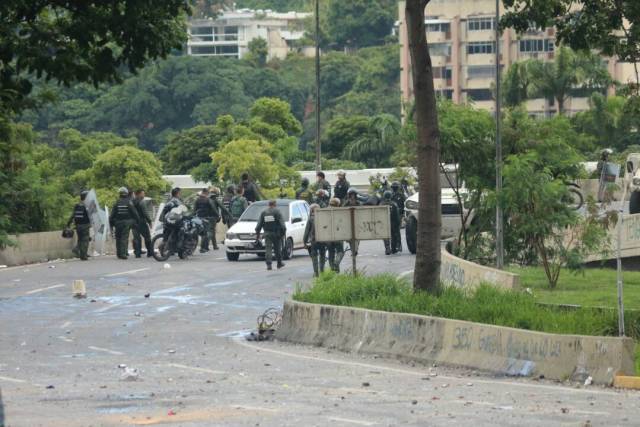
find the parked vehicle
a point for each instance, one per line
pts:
(241, 238)
(451, 218)
(189, 229)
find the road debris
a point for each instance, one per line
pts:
(122, 366)
(79, 289)
(588, 381)
(166, 265)
(171, 412)
(564, 410)
(137, 314)
(268, 322)
(414, 402)
(365, 384)
(147, 295)
(171, 351)
(50, 387)
(130, 374)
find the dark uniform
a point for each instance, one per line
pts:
(167, 228)
(399, 198)
(304, 193)
(340, 189)
(123, 216)
(394, 244)
(251, 192)
(80, 217)
(317, 250)
(323, 184)
(274, 230)
(205, 208)
(223, 214)
(322, 198)
(141, 230)
(237, 207)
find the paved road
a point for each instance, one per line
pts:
(59, 357)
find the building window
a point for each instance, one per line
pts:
(201, 31)
(479, 94)
(229, 50)
(481, 71)
(227, 34)
(474, 48)
(203, 50)
(439, 27)
(538, 45)
(440, 49)
(442, 73)
(445, 93)
(480, 23)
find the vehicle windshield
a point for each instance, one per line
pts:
(253, 212)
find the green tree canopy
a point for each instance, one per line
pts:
(359, 23)
(244, 155)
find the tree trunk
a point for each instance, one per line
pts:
(427, 269)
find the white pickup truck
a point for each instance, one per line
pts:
(451, 220)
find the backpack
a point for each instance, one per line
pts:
(237, 207)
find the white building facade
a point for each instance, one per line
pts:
(229, 34)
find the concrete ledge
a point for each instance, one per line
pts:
(458, 272)
(622, 381)
(490, 348)
(38, 247)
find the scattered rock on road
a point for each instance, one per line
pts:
(130, 374)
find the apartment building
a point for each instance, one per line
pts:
(229, 34)
(462, 44)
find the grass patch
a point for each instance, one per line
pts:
(486, 304)
(593, 287)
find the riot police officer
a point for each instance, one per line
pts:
(352, 198)
(398, 197)
(335, 249)
(317, 250)
(80, 217)
(205, 209)
(169, 231)
(393, 245)
(123, 216)
(274, 230)
(141, 229)
(222, 214)
(322, 198)
(304, 193)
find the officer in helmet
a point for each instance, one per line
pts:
(80, 217)
(398, 197)
(123, 216)
(322, 198)
(304, 192)
(352, 197)
(169, 231)
(393, 245)
(335, 249)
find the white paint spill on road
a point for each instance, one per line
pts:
(226, 283)
(348, 420)
(65, 325)
(65, 339)
(164, 308)
(35, 291)
(13, 380)
(127, 272)
(195, 368)
(106, 350)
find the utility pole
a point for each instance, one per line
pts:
(318, 148)
(499, 216)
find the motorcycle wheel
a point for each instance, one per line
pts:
(160, 251)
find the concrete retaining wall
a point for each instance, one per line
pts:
(473, 345)
(39, 247)
(458, 272)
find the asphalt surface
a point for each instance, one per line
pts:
(62, 360)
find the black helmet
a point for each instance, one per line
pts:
(395, 185)
(231, 189)
(305, 182)
(352, 190)
(387, 195)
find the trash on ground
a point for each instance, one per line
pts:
(588, 381)
(79, 289)
(137, 314)
(171, 412)
(130, 374)
(167, 265)
(171, 351)
(365, 384)
(122, 366)
(50, 387)
(147, 295)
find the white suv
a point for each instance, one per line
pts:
(241, 238)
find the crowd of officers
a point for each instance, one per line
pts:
(129, 215)
(319, 197)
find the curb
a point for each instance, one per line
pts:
(622, 381)
(496, 349)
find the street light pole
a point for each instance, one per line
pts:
(499, 216)
(318, 148)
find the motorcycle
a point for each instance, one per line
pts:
(183, 240)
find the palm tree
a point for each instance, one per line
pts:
(376, 146)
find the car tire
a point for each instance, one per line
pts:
(634, 203)
(287, 249)
(233, 256)
(411, 233)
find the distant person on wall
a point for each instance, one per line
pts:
(251, 191)
(80, 217)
